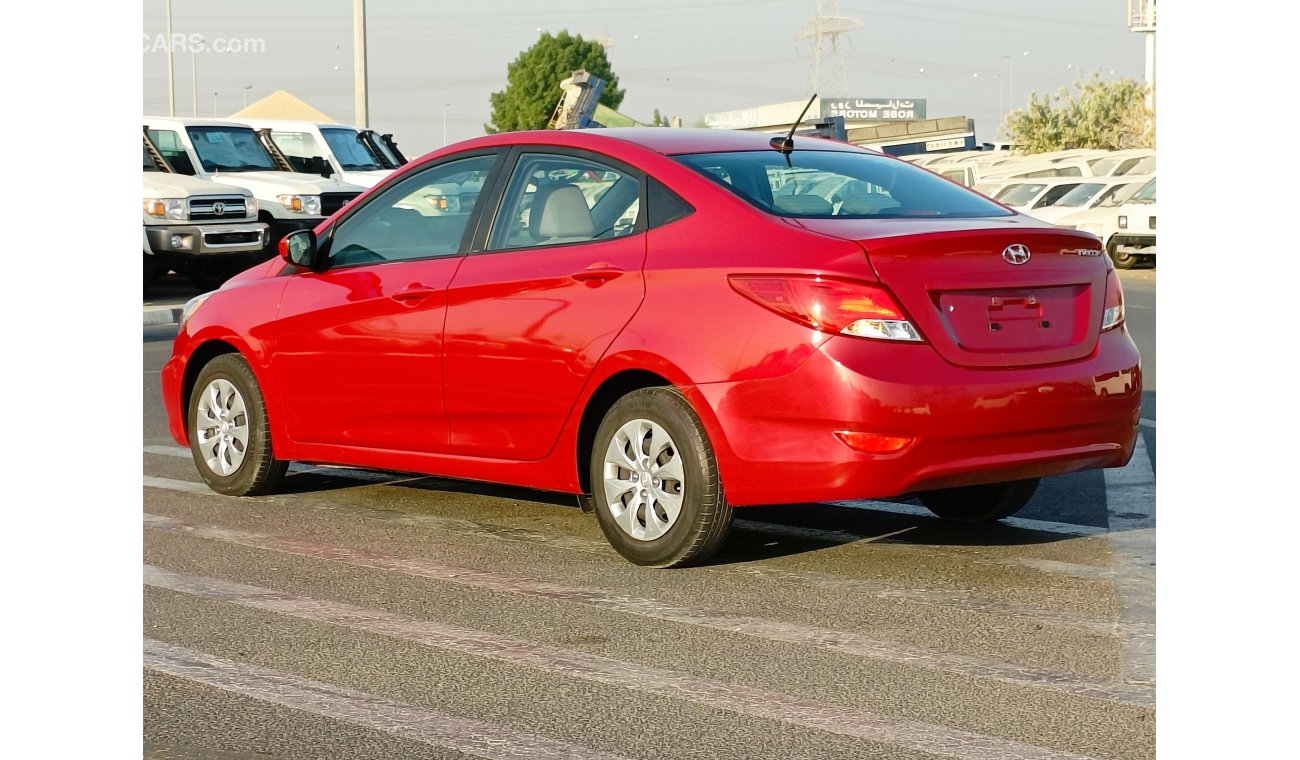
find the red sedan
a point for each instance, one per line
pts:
(669, 323)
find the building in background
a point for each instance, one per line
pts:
(896, 126)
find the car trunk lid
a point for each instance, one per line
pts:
(992, 293)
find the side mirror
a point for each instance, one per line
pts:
(320, 166)
(299, 248)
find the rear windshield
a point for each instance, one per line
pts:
(825, 185)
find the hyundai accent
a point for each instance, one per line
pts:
(669, 324)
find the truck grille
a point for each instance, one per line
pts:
(331, 202)
(231, 238)
(217, 208)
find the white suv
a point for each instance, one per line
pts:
(356, 157)
(196, 228)
(1128, 231)
(230, 154)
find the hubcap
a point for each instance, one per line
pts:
(644, 480)
(222, 427)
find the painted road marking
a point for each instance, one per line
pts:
(397, 718)
(737, 698)
(1131, 512)
(959, 600)
(795, 633)
(837, 537)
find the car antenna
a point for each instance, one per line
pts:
(786, 144)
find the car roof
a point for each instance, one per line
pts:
(666, 140)
(191, 122)
(299, 123)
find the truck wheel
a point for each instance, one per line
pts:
(150, 273)
(1122, 260)
(655, 484)
(209, 274)
(230, 436)
(982, 503)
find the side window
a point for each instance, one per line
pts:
(170, 146)
(556, 199)
(298, 147)
(663, 206)
(423, 216)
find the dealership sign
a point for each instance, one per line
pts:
(874, 109)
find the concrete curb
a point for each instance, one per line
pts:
(161, 315)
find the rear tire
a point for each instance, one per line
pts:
(230, 436)
(982, 503)
(655, 483)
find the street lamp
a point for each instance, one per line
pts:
(247, 87)
(195, 41)
(1011, 80)
(214, 104)
(444, 124)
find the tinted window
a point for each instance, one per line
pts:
(556, 199)
(826, 184)
(663, 206)
(423, 216)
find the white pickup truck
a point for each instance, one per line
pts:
(1128, 231)
(361, 157)
(230, 154)
(196, 228)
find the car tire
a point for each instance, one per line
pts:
(981, 503)
(230, 436)
(680, 516)
(1122, 260)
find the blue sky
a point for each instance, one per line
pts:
(683, 57)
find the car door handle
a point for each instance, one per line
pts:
(596, 274)
(413, 294)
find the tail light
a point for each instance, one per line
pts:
(1112, 315)
(834, 306)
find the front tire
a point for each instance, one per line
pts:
(982, 503)
(230, 436)
(656, 488)
(1122, 260)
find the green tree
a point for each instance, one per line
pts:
(1106, 115)
(533, 81)
(659, 120)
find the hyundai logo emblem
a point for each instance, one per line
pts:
(1016, 254)
(219, 209)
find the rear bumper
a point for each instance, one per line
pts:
(968, 425)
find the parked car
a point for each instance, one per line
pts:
(1127, 231)
(1029, 195)
(195, 228)
(1091, 193)
(734, 345)
(230, 154)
